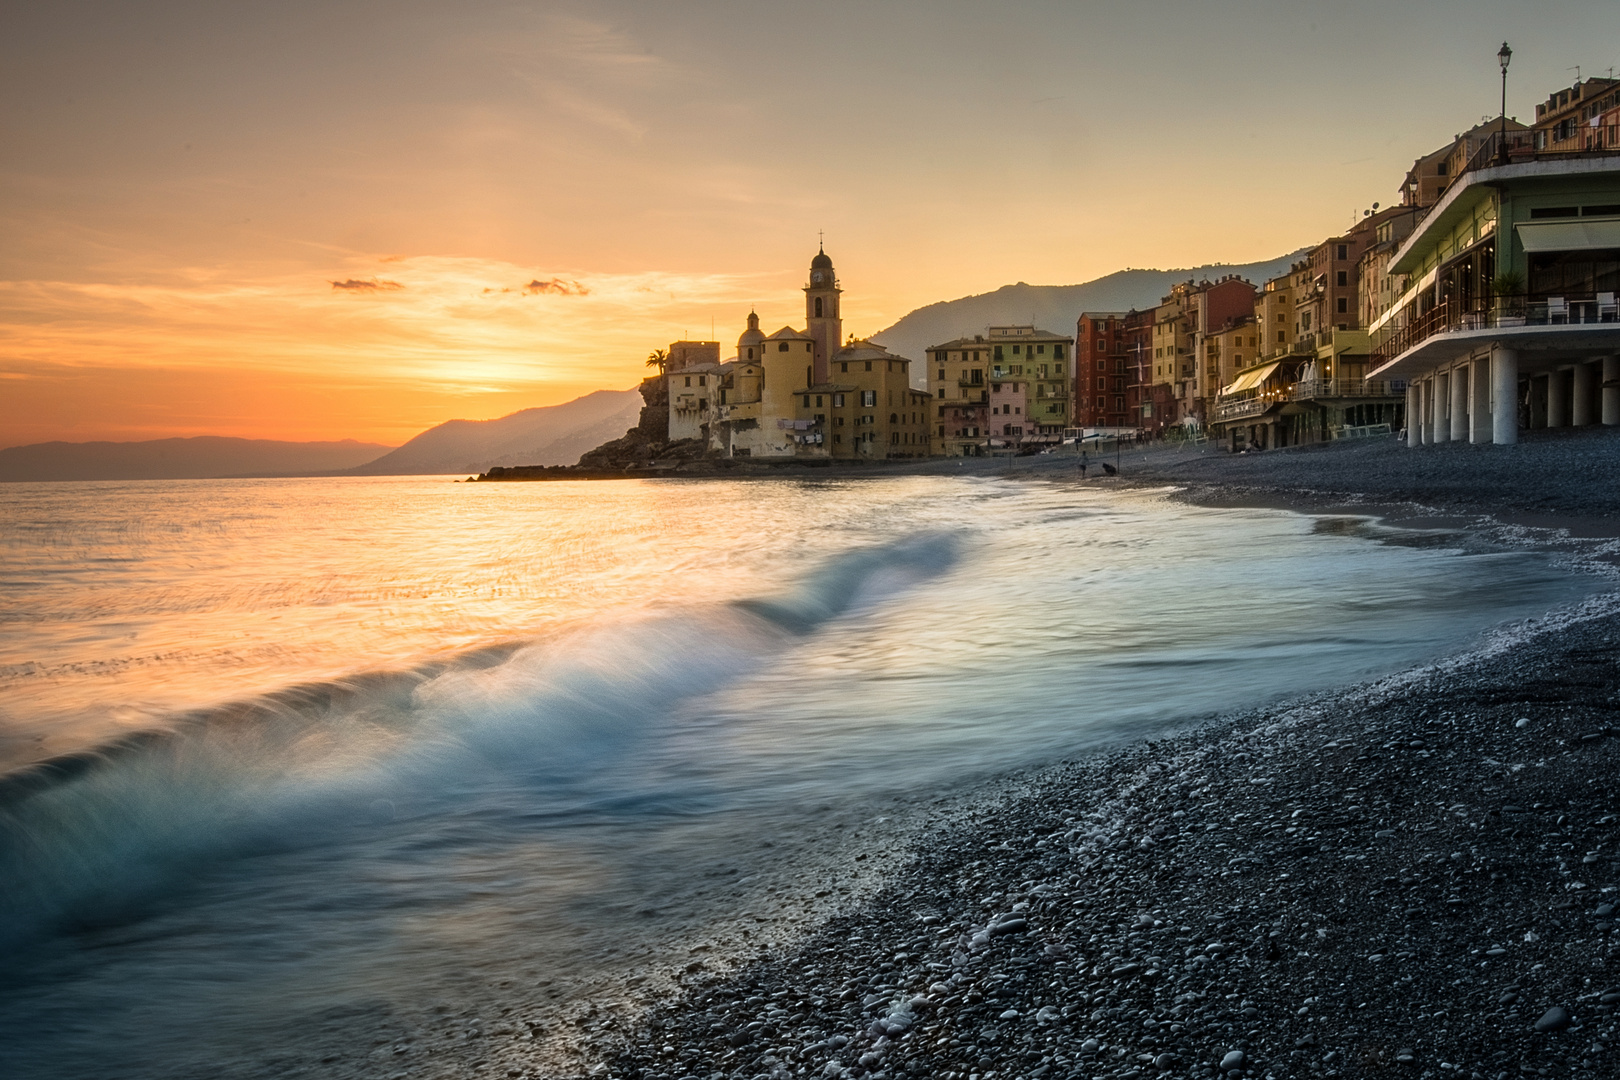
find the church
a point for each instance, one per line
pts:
(805, 394)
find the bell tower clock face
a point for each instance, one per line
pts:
(815, 278)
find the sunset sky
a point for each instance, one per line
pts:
(329, 220)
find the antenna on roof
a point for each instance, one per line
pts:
(1577, 70)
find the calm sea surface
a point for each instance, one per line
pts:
(326, 752)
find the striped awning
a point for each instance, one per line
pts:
(1251, 379)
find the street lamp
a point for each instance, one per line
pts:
(1502, 57)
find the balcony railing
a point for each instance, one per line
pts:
(1312, 389)
(1243, 408)
(1520, 146)
(1495, 313)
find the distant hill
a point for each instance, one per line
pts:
(551, 435)
(201, 458)
(1054, 307)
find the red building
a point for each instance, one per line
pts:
(1114, 373)
(1151, 406)
(1103, 371)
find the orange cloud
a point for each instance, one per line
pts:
(369, 285)
(558, 286)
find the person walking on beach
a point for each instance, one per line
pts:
(1082, 464)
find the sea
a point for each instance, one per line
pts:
(382, 776)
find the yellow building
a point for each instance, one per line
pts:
(867, 410)
(801, 394)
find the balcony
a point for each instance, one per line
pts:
(1316, 389)
(1519, 147)
(1243, 408)
(1497, 313)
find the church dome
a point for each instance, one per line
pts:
(821, 262)
(751, 336)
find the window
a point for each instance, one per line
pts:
(818, 400)
(1057, 350)
(869, 365)
(941, 374)
(1344, 251)
(689, 380)
(942, 391)
(807, 401)
(1344, 277)
(818, 304)
(703, 380)
(1102, 383)
(868, 398)
(1282, 335)
(1344, 305)
(1016, 348)
(782, 346)
(1041, 349)
(838, 402)
(843, 368)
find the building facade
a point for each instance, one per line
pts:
(1509, 317)
(1007, 388)
(800, 393)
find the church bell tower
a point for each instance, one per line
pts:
(821, 318)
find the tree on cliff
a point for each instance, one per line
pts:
(658, 358)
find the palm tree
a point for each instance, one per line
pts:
(658, 358)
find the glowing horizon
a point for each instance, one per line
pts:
(183, 188)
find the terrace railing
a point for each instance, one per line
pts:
(1495, 313)
(1312, 389)
(1242, 408)
(1520, 146)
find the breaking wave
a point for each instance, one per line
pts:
(536, 729)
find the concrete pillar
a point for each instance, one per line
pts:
(1581, 411)
(1558, 399)
(1504, 396)
(1414, 433)
(1439, 425)
(1424, 409)
(1479, 401)
(1459, 403)
(1611, 390)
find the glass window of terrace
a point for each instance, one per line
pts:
(1575, 273)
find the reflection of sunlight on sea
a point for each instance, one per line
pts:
(409, 741)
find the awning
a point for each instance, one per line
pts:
(1568, 235)
(1250, 379)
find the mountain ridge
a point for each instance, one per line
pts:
(197, 457)
(1055, 307)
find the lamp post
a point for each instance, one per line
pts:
(1502, 57)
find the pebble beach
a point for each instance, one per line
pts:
(1416, 876)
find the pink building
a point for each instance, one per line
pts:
(1009, 407)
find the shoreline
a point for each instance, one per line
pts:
(1396, 876)
(1422, 867)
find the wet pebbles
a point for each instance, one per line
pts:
(1417, 877)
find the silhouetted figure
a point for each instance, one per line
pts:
(1109, 469)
